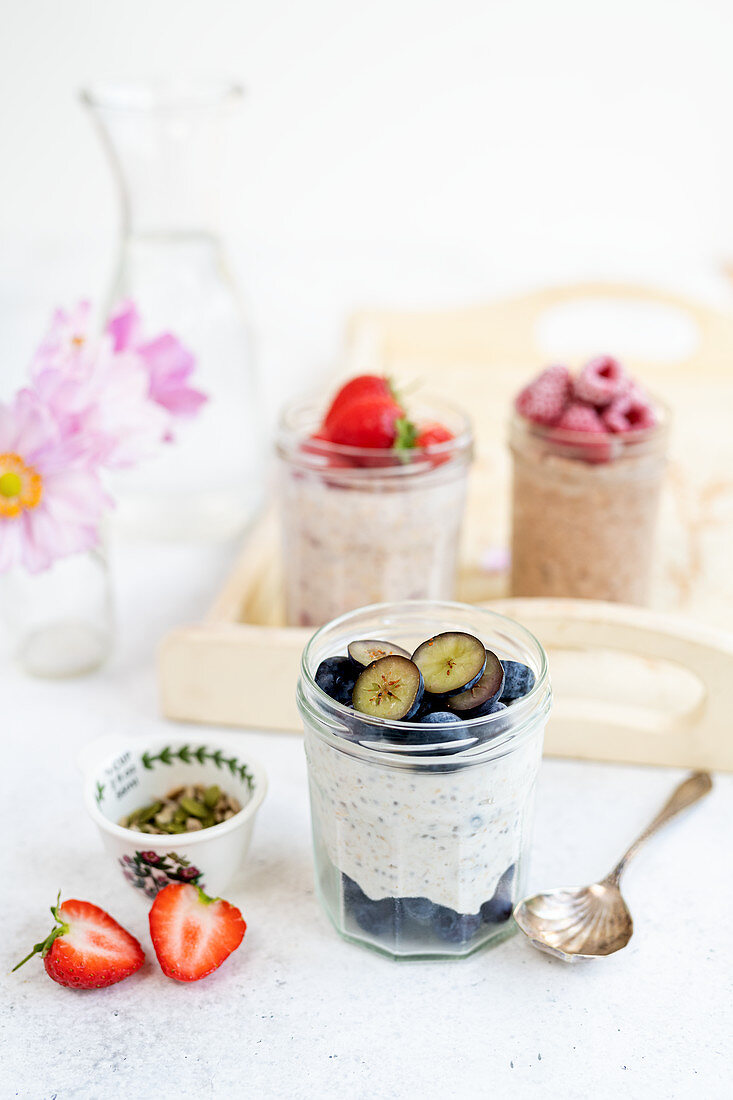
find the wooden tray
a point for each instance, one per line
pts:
(630, 684)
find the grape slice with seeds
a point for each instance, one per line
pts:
(450, 662)
(366, 651)
(390, 688)
(488, 687)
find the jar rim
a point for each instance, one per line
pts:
(291, 432)
(332, 716)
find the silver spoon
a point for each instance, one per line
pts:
(588, 922)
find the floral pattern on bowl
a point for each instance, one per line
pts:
(151, 871)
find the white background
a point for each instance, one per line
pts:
(397, 151)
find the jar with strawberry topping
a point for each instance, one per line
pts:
(589, 456)
(371, 496)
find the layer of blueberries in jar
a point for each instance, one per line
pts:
(421, 825)
(372, 494)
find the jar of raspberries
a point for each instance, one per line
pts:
(588, 464)
(372, 492)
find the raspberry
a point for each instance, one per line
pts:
(581, 418)
(545, 399)
(584, 418)
(631, 412)
(601, 381)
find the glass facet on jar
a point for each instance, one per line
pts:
(584, 511)
(363, 526)
(421, 848)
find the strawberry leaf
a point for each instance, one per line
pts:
(406, 435)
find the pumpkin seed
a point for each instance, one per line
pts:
(184, 809)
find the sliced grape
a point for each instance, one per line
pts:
(490, 686)
(450, 662)
(390, 688)
(519, 679)
(366, 651)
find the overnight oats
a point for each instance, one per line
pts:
(588, 464)
(371, 500)
(423, 725)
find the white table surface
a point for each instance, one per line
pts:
(296, 1012)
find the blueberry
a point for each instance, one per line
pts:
(375, 917)
(499, 908)
(337, 677)
(439, 716)
(492, 707)
(420, 909)
(518, 680)
(455, 927)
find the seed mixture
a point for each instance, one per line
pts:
(183, 810)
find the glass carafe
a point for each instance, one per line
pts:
(164, 144)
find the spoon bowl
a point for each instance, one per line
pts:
(577, 922)
(591, 922)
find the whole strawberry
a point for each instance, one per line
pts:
(87, 949)
(192, 933)
(358, 389)
(370, 422)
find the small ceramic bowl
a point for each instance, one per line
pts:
(120, 776)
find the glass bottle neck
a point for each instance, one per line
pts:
(165, 151)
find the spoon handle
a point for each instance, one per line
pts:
(690, 790)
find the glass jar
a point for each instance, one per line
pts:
(165, 143)
(584, 511)
(363, 526)
(60, 621)
(421, 848)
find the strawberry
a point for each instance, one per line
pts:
(544, 399)
(363, 386)
(370, 422)
(193, 934)
(320, 444)
(601, 381)
(431, 434)
(87, 949)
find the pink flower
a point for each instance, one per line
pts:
(68, 336)
(169, 364)
(51, 498)
(101, 401)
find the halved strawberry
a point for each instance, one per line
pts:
(193, 934)
(363, 386)
(370, 422)
(87, 949)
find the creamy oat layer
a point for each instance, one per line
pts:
(347, 547)
(583, 530)
(446, 836)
